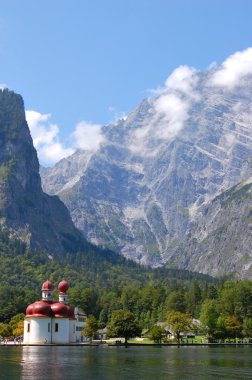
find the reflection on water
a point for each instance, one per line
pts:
(39, 362)
(109, 363)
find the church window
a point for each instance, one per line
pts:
(56, 327)
(28, 327)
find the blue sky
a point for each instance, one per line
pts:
(78, 63)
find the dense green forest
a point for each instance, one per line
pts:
(99, 285)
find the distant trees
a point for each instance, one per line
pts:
(85, 298)
(209, 315)
(156, 333)
(180, 323)
(226, 327)
(91, 327)
(233, 327)
(17, 324)
(176, 301)
(101, 287)
(217, 318)
(247, 327)
(194, 299)
(18, 330)
(14, 328)
(123, 324)
(5, 330)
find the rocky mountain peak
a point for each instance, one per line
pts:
(143, 190)
(42, 221)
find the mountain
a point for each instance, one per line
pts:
(41, 221)
(221, 241)
(142, 192)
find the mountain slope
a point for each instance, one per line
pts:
(221, 241)
(142, 191)
(40, 220)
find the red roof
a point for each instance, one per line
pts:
(63, 286)
(47, 285)
(39, 309)
(50, 308)
(59, 310)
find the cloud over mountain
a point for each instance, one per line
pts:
(87, 136)
(233, 69)
(170, 108)
(46, 137)
(169, 111)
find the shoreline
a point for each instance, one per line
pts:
(128, 345)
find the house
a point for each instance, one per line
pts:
(166, 334)
(53, 322)
(101, 334)
(169, 334)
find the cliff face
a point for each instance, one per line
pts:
(220, 242)
(142, 192)
(42, 221)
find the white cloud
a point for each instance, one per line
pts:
(52, 153)
(2, 86)
(42, 132)
(233, 70)
(170, 110)
(170, 114)
(46, 138)
(87, 136)
(183, 78)
(229, 140)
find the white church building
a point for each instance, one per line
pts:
(51, 322)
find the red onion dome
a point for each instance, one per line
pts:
(63, 286)
(47, 285)
(70, 312)
(39, 309)
(59, 310)
(29, 310)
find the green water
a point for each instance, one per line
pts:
(100, 363)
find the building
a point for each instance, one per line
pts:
(101, 334)
(51, 322)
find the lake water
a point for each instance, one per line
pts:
(109, 363)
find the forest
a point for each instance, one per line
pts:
(102, 285)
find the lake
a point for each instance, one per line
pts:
(108, 363)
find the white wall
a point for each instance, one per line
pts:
(72, 330)
(80, 324)
(38, 330)
(39, 333)
(62, 336)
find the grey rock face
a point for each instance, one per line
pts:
(221, 241)
(143, 190)
(42, 221)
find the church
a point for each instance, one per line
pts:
(53, 322)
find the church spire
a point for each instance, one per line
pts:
(63, 288)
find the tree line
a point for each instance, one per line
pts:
(103, 287)
(221, 311)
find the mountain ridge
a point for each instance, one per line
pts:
(142, 191)
(39, 220)
(222, 234)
